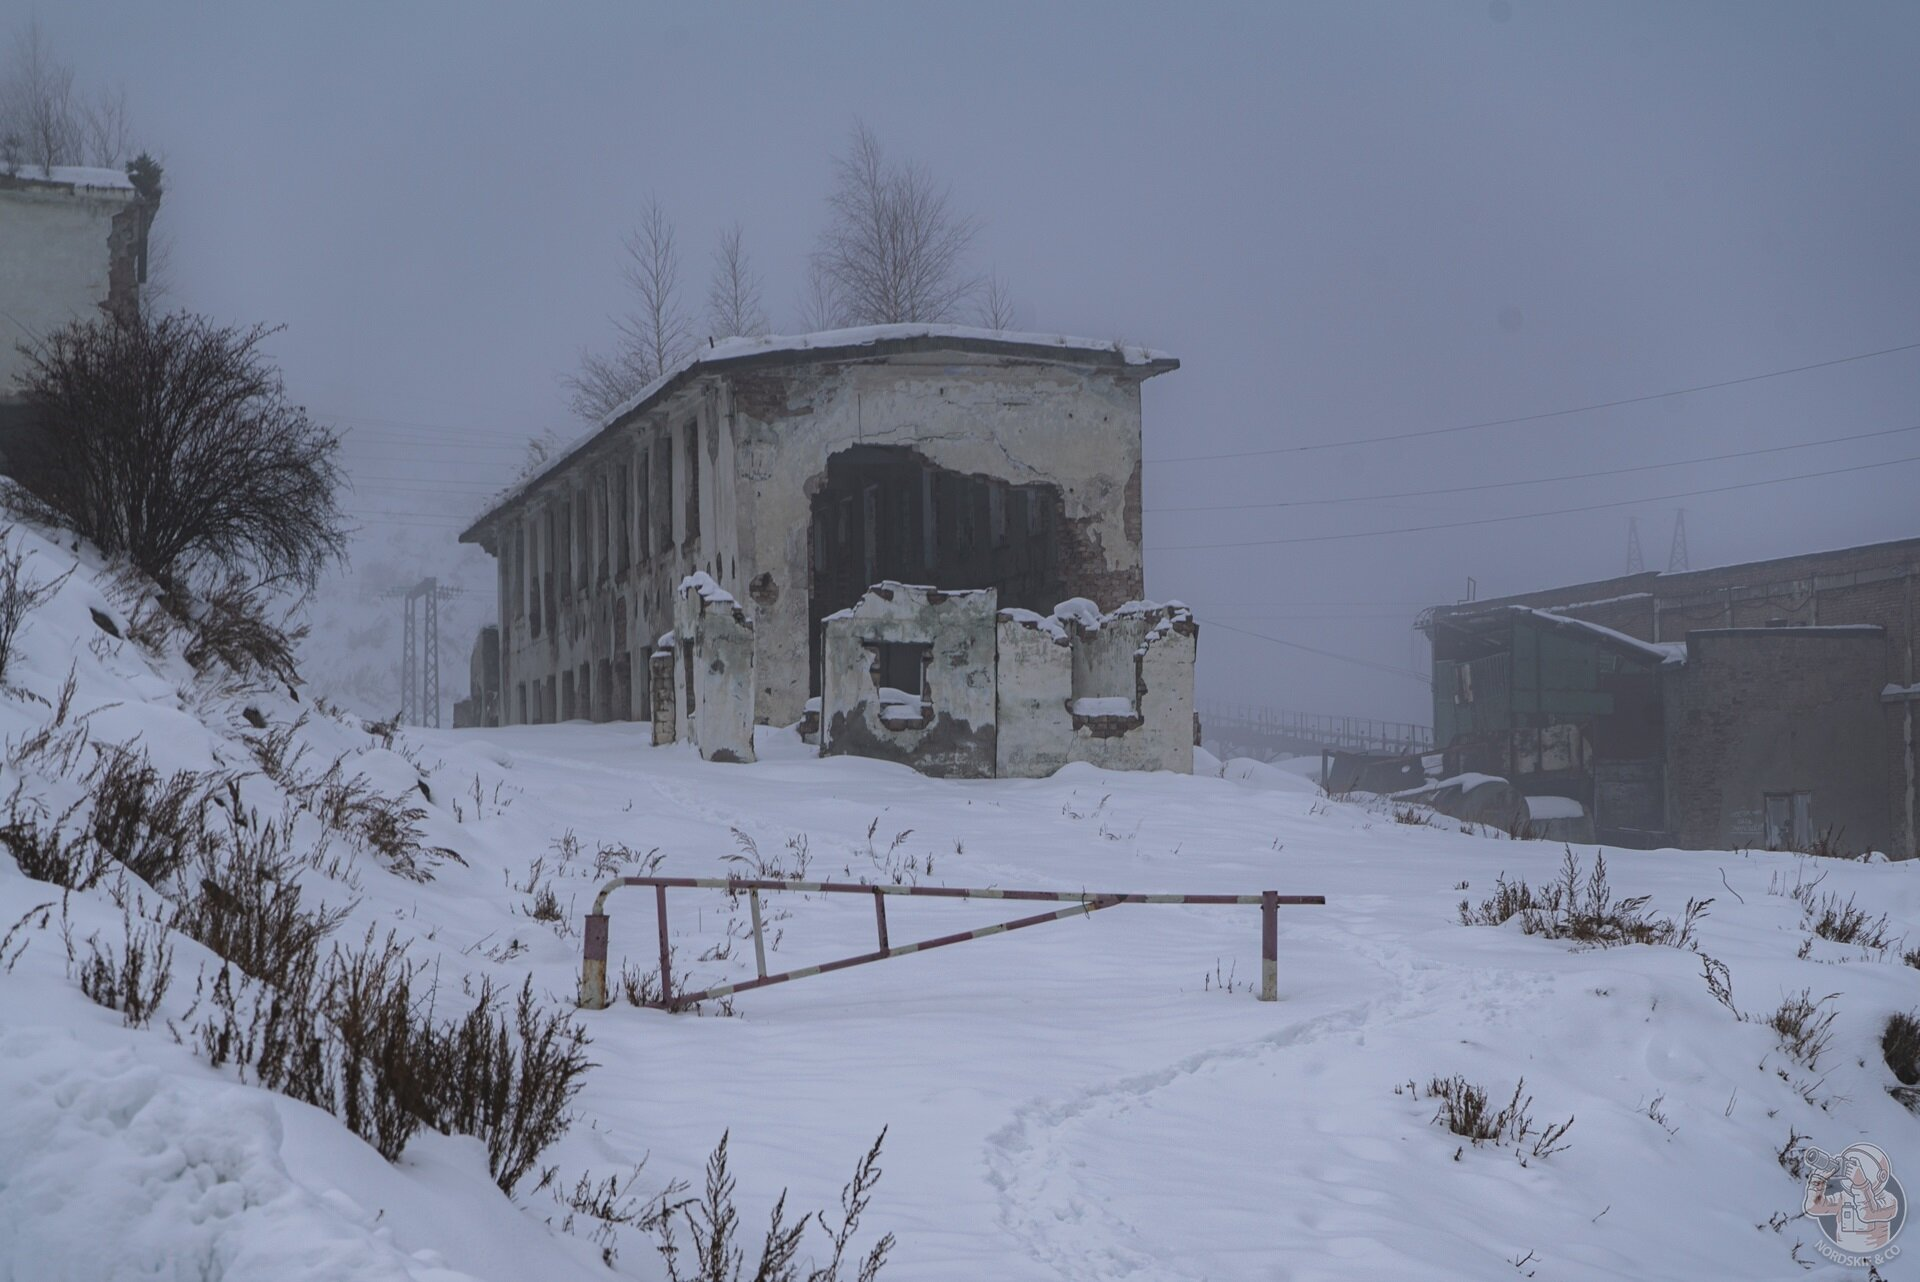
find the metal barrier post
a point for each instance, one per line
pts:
(593, 970)
(666, 964)
(1269, 945)
(759, 939)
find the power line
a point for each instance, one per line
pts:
(1528, 516)
(1535, 418)
(1421, 677)
(1542, 480)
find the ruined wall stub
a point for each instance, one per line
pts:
(664, 707)
(713, 671)
(941, 724)
(1153, 648)
(1114, 690)
(1035, 682)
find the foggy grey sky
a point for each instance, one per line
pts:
(1346, 220)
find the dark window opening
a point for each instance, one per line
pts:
(884, 512)
(900, 666)
(663, 492)
(623, 532)
(693, 482)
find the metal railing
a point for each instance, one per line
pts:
(593, 970)
(1357, 734)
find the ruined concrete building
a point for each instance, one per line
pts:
(1770, 704)
(795, 473)
(73, 243)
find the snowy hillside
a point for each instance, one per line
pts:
(1098, 1098)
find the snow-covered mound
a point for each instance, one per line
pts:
(1097, 1098)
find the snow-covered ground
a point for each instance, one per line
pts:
(1098, 1098)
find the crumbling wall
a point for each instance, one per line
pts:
(1023, 424)
(1132, 699)
(664, 705)
(1034, 675)
(946, 726)
(713, 670)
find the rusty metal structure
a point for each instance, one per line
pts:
(593, 971)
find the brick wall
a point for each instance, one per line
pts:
(1779, 710)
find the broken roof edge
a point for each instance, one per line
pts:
(827, 347)
(73, 177)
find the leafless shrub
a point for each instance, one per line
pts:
(712, 1223)
(1792, 1155)
(385, 826)
(352, 1037)
(1830, 843)
(152, 826)
(1900, 1045)
(170, 442)
(231, 624)
(57, 743)
(1911, 957)
(1466, 1110)
(509, 1080)
(1800, 889)
(1414, 816)
(611, 1205)
(1846, 924)
(1804, 1029)
(248, 906)
(135, 981)
(1582, 907)
(20, 596)
(46, 851)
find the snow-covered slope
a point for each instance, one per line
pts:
(1097, 1098)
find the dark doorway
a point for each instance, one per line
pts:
(884, 512)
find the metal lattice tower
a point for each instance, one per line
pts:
(1677, 554)
(420, 656)
(1636, 561)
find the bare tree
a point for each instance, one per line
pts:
(894, 248)
(171, 442)
(105, 128)
(995, 309)
(733, 296)
(652, 338)
(36, 101)
(821, 305)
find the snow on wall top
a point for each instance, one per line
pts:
(834, 344)
(74, 176)
(710, 592)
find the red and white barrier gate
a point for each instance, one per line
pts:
(593, 972)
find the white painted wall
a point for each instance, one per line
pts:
(54, 258)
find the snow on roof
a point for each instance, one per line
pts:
(836, 344)
(73, 176)
(1658, 651)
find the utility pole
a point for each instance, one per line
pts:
(420, 651)
(1636, 562)
(1677, 554)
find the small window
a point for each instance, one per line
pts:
(900, 666)
(1789, 820)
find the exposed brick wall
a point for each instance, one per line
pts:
(1778, 710)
